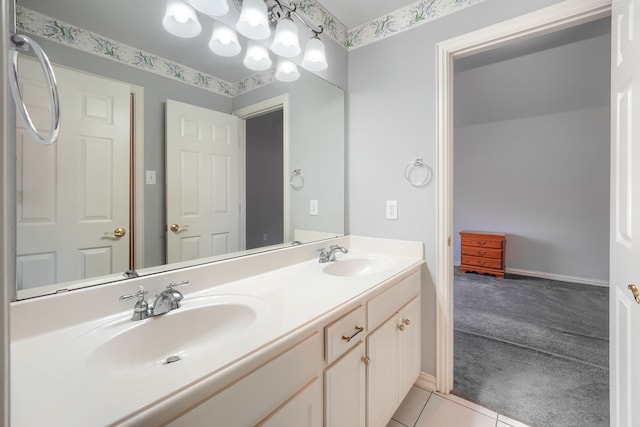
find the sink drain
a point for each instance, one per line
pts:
(172, 359)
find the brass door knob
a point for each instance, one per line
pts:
(636, 294)
(366, 360)
(117, 233)
(177, 228)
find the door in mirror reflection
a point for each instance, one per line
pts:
(202, 164)
(73, 196)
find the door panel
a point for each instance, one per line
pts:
(625, 215)
(202, 182)
(72, 195)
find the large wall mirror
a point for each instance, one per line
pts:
(125, 190)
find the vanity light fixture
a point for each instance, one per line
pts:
(257, 57)
(315, 58)
(254, 21)
(257, 19)
(285, 42)
(287, 71)
(180, 20)
(224, 41)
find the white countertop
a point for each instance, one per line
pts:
(57, 382)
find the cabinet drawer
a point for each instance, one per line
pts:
(384, 305)
(482, 262)
(344, 333)
(481, 252)
(481, 241)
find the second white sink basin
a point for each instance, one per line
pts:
(348, 266)
(199, 325)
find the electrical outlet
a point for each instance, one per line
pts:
(313, 207)
(150, 177)
(392, 209)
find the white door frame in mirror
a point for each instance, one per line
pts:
(258, 109)
(138, 175)
(562, 15)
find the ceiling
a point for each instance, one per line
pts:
(353, 13)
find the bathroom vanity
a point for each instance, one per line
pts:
(273, 339)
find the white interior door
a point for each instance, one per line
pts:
(71, 193)
(203, 205)
(625, 215)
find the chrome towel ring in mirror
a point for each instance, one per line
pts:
(297, 180)
(22, 43)
(421, 169)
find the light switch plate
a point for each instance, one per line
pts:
(313, 207)
(392, 209)
(150, 177)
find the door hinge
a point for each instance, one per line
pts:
(449, 241)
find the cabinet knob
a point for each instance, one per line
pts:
(401, 327)
(406, 322)
(366, 360)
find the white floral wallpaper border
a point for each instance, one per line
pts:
(404, 19)
(58, 31)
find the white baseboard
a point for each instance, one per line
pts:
(552, 276)
(426, 382)
(559, 277)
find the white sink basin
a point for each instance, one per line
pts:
(350, 266)
(201, 324)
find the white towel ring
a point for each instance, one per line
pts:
(411, 166)
(297, 180)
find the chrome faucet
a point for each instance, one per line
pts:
(167, 300)
(331, 255)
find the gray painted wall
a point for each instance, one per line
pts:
(391, 122)
(531, 156)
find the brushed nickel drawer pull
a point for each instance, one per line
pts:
(358, 330)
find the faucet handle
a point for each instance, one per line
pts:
(140, 295)
(173, 285)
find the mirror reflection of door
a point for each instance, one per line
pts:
(202, 172)
(264, 180)
(73, 197)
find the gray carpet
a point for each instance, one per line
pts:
(532, 349)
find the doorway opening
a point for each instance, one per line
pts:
(264, 180)
(264, 166)
(541, 22)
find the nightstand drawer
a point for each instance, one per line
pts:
(481, 262)
(482, 252)
(482, 242)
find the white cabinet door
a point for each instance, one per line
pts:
(304, 409)
(344, 384)
(409, 347)
(382, 373)
(394, 362)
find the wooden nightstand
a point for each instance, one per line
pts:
(482, 253)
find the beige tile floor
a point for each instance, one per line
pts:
(422, 408)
